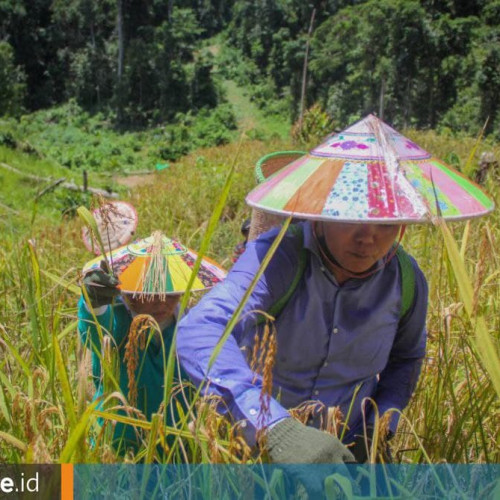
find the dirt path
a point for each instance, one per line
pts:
(132, 181)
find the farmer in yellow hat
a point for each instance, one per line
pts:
(135, 306)
(349, 304)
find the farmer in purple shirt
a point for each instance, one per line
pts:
(349, 336)
(336, 334)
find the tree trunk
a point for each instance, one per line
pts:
(170, 8)
(381, 99)
(304, 71)
(121, 56)
(120, 40)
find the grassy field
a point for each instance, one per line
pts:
(250, 118)
(45, 410)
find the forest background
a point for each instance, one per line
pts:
(118, 87)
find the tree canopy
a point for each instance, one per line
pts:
(429, 63)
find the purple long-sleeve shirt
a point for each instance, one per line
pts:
(331, 338)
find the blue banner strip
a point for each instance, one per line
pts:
(287, 481)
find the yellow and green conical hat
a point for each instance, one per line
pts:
(158, 266)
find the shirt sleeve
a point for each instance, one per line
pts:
(199, 332)
(398, 380)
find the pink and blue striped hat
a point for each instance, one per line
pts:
(370, 173)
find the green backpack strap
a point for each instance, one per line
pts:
(280, 304)
(405, 267)
(407, 281)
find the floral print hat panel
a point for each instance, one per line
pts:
(370, 173)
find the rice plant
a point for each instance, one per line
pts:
(46, 409)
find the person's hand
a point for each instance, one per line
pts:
(290, 442)
(101, 287)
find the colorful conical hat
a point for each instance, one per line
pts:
(116, 222)
(370, 173)
(158, 266)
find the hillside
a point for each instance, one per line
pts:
(209, 88)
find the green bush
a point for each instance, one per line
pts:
(12, 83)
(316, 125)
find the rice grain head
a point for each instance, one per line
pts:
(137, 336)
(334, 420)
(262, 363)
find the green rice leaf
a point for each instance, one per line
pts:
(465, 239)
(468, 166)
(483, 341)
(17, 356)
(3, 406)
(89, 220)
(151, 449)
(68, 285)
(65, 385)
(342, 482)
(77, 433)
(13, 441)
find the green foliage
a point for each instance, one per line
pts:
(78, 140)
(262, 91)
(315, 126)
(12, 83)
(71, 50)
(418, 63)
(207, 128)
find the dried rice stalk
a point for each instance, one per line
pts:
(215, 427)
(41, 454)
(383, 433)
(43, 420)
(29, 431)
(334, 420)
(137, 337)
(262, 363)
(207, 423)
(154, 275)
(108, 215)
(309, 410)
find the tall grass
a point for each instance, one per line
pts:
(45, 409)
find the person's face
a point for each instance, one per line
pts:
(160, 310)
(357, 247)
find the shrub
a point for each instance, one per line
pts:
(316, 124)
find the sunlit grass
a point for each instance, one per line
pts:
(45, 411)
